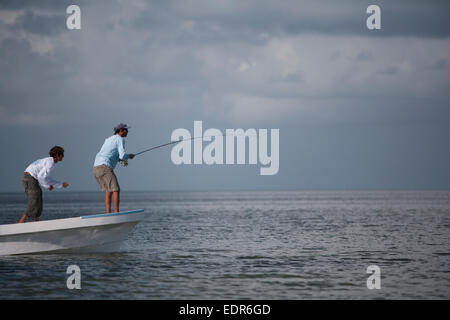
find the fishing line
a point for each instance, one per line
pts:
(165, 144)
(181, 140)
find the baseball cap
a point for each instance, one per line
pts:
(121, 126)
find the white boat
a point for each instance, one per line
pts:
(92, 233)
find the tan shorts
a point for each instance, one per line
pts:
(106, 178)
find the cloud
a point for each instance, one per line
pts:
(310, 68)
(440, 64)
(25, 119)
(304, 68)
(245, 19)
(42, 24)
(271, 62)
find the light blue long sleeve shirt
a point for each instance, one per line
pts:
(112, 151)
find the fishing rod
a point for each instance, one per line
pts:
(125, 162)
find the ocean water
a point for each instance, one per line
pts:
(247, 245)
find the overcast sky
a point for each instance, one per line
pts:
(356, 108)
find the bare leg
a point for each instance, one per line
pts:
(116, 200)
(108, 201)
(23, 219)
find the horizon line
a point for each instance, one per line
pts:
(244, 190)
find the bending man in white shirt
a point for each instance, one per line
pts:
(39, 173)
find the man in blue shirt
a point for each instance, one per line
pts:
(112, 151)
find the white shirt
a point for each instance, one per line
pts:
(41, 169)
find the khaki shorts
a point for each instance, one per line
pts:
(106, 178)
(34, 196)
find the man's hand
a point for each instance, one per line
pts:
(131, 156)
(51, 188)
(65, 185)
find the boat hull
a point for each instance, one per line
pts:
(94, 233)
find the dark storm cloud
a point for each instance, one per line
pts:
(41, 4)
(245, 18)
(46, 25)
(219, 21)
(441, 64)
